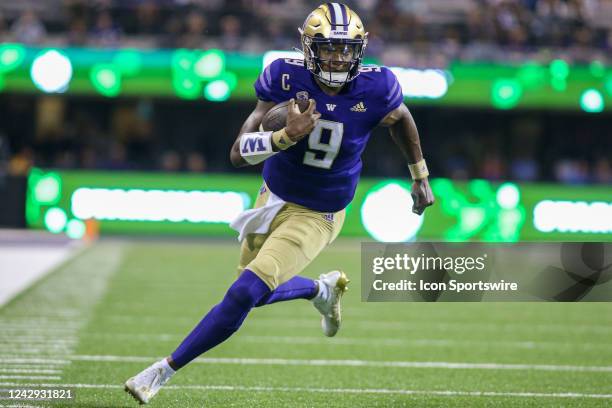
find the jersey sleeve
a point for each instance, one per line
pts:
(392, 95)
(268, 82)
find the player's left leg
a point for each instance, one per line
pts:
(299, 237)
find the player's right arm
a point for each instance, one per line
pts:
(297, 127)
(251, 124)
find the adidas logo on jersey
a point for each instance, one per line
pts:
(330, 107)
(360, 107)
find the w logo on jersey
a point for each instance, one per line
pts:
(330, 107)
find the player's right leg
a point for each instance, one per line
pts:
(218, 325)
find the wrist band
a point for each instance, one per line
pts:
(281, 140)
(418, 170)
(256, 147)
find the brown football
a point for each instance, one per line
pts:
(276, 118)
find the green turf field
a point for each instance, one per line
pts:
(117, 306)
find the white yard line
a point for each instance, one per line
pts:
(357, 341)
(348, 363)
(35, 329)
(28, 371)
(30, 377)
(444, 393)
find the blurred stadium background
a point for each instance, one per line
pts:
(116, 118)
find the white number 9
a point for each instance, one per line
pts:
(331, 148)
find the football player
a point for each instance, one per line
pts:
(311, 170)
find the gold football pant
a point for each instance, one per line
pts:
(296, 236)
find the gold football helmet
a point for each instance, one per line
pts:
(333, 43)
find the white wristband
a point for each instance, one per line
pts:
(256, 147)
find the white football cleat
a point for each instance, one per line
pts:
(332, 286)
(147, 383)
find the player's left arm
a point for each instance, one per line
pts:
(404, 133)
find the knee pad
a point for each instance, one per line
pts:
(240, 298)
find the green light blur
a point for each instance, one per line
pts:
(48, 189)
(106, 79)
(597, 69)
(608, 85)
(55, 220)
(182, 60)
(129, 62)
(217, 91)
(186, 86)
(506, 93)
(532, 75)
(75, 229)
(210, 64)
(592, 101)
(558, 84)
(2, 83)
(11, 56)
(559, 69)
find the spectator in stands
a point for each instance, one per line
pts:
(195, 25)
(196, 163)
(170, 161)
(77, 32)
(21, 163)
(230, 33)
(571, 171)
(148, 18)
(2, 28)
(171, 33)
(602, 173)
(28, 29)
(105, 33)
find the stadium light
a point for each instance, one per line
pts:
(506, 93)
(592, 101)
(55, 220)
(106, 79)
(217, 91)
(508, 196)
(51, 72)
(210, 65)
(11, 56)
(48, 189)
(386, 213)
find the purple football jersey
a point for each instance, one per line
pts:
(322, 170)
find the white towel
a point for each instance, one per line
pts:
(257, 220)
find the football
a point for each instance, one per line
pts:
(276, 118)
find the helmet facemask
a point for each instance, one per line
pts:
(318, 54)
